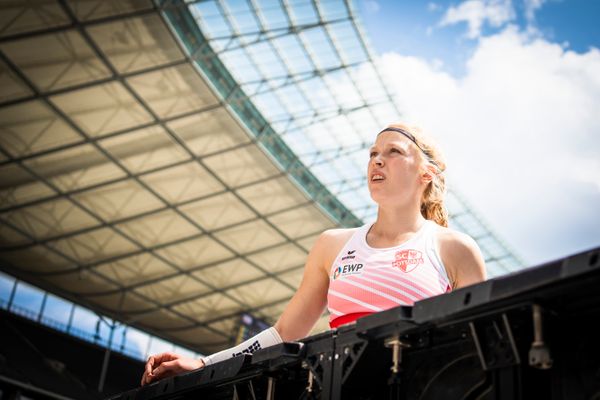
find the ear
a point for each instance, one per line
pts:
(428, 174)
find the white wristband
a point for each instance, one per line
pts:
(266, 338)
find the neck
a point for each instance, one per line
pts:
(396, 224)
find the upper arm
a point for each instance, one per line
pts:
(309, 301)
(463, 259)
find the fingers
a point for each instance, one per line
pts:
(147, 370)
(162, 357)
(154, 361)
(160, 366)
(146, 378)
(149, 365)
(167, 368)
(164, 370)
(167, 364)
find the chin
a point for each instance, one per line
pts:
(377, 197)
(382, 200)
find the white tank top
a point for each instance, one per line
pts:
(364, 279)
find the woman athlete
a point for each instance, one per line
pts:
(406, 255)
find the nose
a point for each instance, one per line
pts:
(377, 160)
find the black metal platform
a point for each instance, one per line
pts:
(528, 335)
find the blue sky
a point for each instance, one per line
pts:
(511, 91)
(412, 27)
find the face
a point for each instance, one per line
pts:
(394, 170)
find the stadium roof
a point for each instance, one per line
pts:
(169, 164)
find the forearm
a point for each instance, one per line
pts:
(266, 338)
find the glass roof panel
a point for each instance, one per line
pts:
(20, 16)
(229, 273)
(241, 67)
(330, 10)
(60, 60)
(136, 269)
(272, 14)
(12, 237)
(38, 259)
(300, 222)
(12, 86)
(302, 12)
(75, 168)
(282, 257)
(157, 228)
(211, 19)
(250, 237)
(241, 166)
(319, 47)
(31, 127)
(262, 293)
(216, 212)
(266, 60)
(95, 9)
(102, 109)
(19, 186)
(50, 219)
(182, 183)
(208, 307)
(347, 43)
(93, 246)
(144, 149)
(290, 50)
(93, 283)
(173, 91)
(136, 43)
(272, 196)
(209, 132)
(173, 289)
(194, 252)
(241, 15)
(293, 99)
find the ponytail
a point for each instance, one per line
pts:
(432, 204)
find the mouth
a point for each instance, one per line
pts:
(377, 178)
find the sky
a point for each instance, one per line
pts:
(510, 89)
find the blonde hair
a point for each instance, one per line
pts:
(432, 200)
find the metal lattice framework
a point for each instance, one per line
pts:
(159, 161)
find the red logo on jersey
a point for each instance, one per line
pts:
(407, 260)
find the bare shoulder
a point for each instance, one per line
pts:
(332, 240)
(461, 256)
(455, 240)
(336, 235)
(330, 243)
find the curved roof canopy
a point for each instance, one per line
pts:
(158, 161)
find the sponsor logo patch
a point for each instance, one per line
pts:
(408, 260)
(349, 256)
(348, 269)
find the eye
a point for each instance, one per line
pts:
(372, 154)
(395, 150)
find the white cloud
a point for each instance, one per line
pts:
(476, 13)
(520, 131)
(531, 6)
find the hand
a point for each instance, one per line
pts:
(167, 364)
